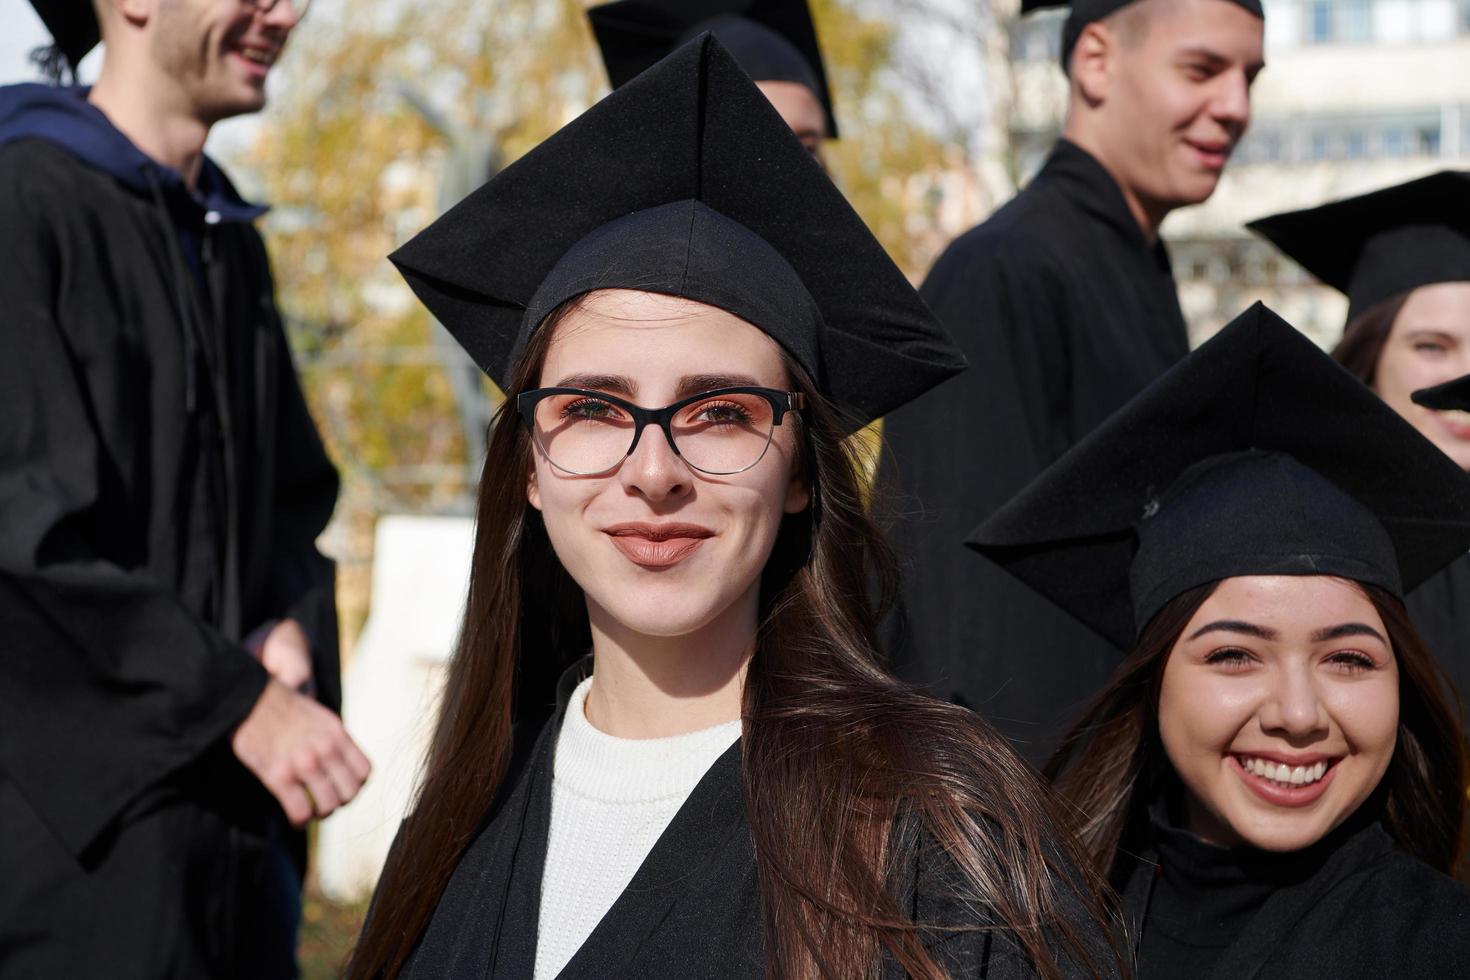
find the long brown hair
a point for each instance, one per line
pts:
(842, 766)
(1112, 763)
(1364, 337)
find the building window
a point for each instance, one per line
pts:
(1319, 22)
(1289, 140)
(1339, 21)
(1355, 21)
(1428, 140)
(1038, 37)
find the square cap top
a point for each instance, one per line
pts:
(1376, 246)
(684, 181)
(1452, 396)
(1255, 455)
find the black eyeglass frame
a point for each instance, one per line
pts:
(781, 402)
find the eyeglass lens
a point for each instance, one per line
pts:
(724, 433)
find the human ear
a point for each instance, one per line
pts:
(135, 12)
(533, 489)
(798, 494)
(1092, 62)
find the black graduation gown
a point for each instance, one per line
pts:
(691, 910)
(1355, 906)
(161, 489)
(1440, 609)
(1065, 312)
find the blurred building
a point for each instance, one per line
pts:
(1356, 95)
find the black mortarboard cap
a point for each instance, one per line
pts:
(1255, 455)
(685, 181)
(773, 40)
(1084, 12)
(1450, 396)
(73, 26)
(1379, 245)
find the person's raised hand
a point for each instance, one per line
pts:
(300, 752)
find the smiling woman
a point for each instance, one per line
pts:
(668, 746)
(1272, 778)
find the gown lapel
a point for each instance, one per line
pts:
(691, 910)
(698, 881)
(483, 925)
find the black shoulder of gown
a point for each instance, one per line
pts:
(692, 910)
(1365, 908)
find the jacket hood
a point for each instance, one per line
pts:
(63, 117)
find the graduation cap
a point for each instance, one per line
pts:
(685, 181)
(1084, 12)
(1452, 396)
(1255, 455)
(73, 26)
(773, 40)
(1380, 245)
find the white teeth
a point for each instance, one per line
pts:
(1282, 773)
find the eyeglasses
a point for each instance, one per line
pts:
(266, 6)
(720, 432)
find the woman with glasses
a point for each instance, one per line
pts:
(1272, 777)
(687, 320)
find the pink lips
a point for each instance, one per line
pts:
(1212, 154)
(1456, 425)
(660, 545)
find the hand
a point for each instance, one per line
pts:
(286, 653)
(300, 752)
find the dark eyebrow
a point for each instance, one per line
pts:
(693, 384)
(1347, 629)
(614, 384)
(1215, 58)
(1235, 626)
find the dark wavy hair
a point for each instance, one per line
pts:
(1112, 763)
(836, 754)
(1364, 337)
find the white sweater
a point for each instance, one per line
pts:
(611, 799)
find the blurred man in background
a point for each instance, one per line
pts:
(1064, 303)
(169, 677)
